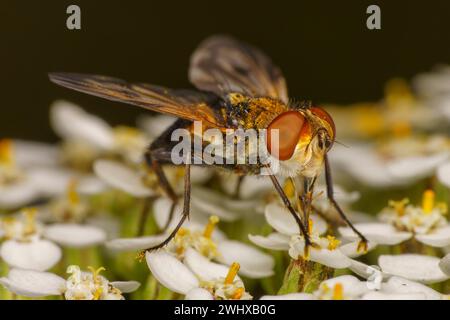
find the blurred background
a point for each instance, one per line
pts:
(323, 47)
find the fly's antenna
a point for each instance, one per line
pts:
(342, 144)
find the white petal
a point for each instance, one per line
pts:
(352, 286)
(376, 295)
(281, 219)
(444, 264)
(37, 255)
(31, 283)
(51, 181)
(438, 238)
(403, 286)
(90, 185)
(254, 263)
(211, 203)
(330, 258)
(373, 173)
(199, 294)
(135, 244)
(351, 249)
(18, 195)
(274, 241)
(416, 167)
(121, 177)
(443, 174)
(414, 267)
(366, 271)
(170, 272)
(71, 122)
(126, 286)
(202, 267)
(161, 212)
(380, 233)
(31, 154)
(200, 175)
(290, 296)
(75, 235)
(154, 126)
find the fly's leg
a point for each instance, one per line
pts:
(163, 183)
(144, 215)
(362, 246)
(299, 222)
(185, 213)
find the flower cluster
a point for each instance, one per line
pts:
(92, 200)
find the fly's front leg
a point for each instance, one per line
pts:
(185, 213)
(362, 246)
(288, 205)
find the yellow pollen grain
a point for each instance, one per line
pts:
(232, 272)
(428, 201)
(238, 294)
(338, 292)
(209, 229)
(182, 232)
(6, 152)
(399, 206)
(72, 193)
(333, 243)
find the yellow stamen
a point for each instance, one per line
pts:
(182, 232)
(289, 188)
(209, 229)
(232, 272)
(310, 226)
(338, 292)
(30, 220)
(238, 293)
(72, 193)
(399, 206)
(96, 272)
(6, 152)
(428, 201)
(333, 243)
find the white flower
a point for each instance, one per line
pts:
(327, 250)
(444, 264)
(207, 241)
(140, 181)
(443, 174)
(79, 286)
(403, 221)
(398, 162)
(415, 267)
(197, 278)
(154, 126)
(30, 245)
(348, 287)
(23, 170)
(91, 136)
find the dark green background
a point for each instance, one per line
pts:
(323, 47)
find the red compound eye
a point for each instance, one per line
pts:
(289, 126)
(325, 116)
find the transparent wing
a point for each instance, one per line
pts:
(222, 64)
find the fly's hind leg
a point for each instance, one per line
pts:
(362, 246)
